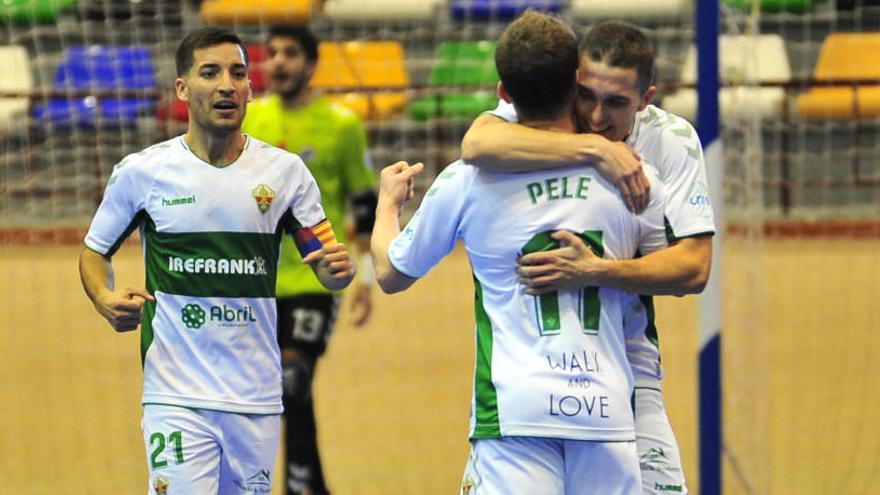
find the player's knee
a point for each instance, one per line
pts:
(297, 379)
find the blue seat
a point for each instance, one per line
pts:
(484, 10)
(100, 70)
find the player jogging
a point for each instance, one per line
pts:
(211, 206)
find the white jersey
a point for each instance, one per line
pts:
(549, 366)
(670, 144)
(211, 241)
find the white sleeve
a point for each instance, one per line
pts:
(505, 111)
(119, 212)
(688, 206)
(306, 207)
(433, 230)
(652, 228)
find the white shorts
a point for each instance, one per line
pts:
(659, 457)
(547, 466)
(197, 451)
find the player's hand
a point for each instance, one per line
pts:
(622, 166)
(123, 308)
(361, 304)
(333, 265)
(396, 182)
(569, 267)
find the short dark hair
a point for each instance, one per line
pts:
(201, 38)
(537, 59)
(300, 33)
(621, 45)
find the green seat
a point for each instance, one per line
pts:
(33, 11)
(796, 6)
(460, 63)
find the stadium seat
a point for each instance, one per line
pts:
(641, 9)
(460, 63)
(744, 59)
(257, 11)
(773, 6)
(100, 69)
(29, 12)
(380, 10)
(19, 80)
(845, 57)
(484, 10)
(353, 66)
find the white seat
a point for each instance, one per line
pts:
(633, 9)
(744, 60)
(381, 10)
(17, 78)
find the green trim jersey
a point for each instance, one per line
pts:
(211, 240)
(548, 366)
(670, 144)
(332, 142)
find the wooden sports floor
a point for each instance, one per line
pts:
(801, 353)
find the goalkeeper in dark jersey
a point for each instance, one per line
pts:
(332, 142)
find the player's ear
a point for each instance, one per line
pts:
(502, 93)
(181, 89)
(647, 96)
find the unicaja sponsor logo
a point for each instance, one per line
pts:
(240, 266)
(185, 200)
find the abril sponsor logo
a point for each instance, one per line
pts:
(699, 200)
(185, 200)
(223, 266)
(194, 316)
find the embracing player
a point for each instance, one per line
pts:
(614, 93)
(551, 410)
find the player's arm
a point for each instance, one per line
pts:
(395, 188)
(328, 259)
(495, 144)
(363, 204)
(678, 270)
(123, 308)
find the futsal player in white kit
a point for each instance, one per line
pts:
(211, 206)
(551, 410)
(613, 105)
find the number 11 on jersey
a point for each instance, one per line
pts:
(547, 305)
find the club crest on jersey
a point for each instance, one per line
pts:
(263, 195)
(160, 486)
(467, 485)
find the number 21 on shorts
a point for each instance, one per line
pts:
(158, 443)
(547, 305)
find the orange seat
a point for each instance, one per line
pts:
(360, 65)
(845, 57)
(359, 103)
(257, 11)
